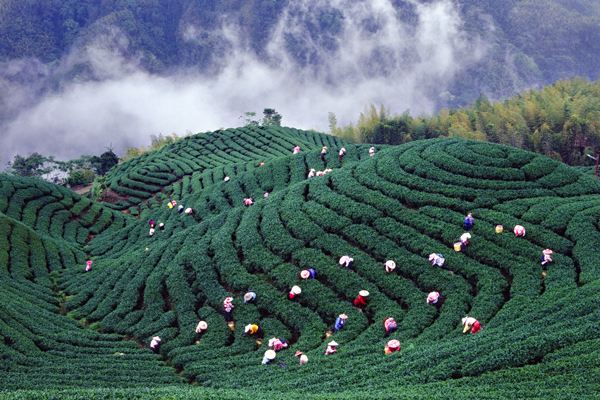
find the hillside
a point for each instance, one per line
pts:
(69, 333)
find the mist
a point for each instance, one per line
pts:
(370, 57)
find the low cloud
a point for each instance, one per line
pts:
(364, 53)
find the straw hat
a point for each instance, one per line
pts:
(364, 293)
(547, 252)
(304, 274)
(333, 343)
(202, 325)
(296, 290)
(343, 316)
(270, 354)
(393, 344)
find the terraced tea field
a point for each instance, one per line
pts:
(68, 333)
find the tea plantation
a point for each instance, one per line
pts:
(70, 334)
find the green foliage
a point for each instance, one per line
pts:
(560, 121)
(33, 165)
(73, 334)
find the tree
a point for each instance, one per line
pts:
(332, 123)
(250, 118)
(105, 162)
(271, 117)
(33, 165)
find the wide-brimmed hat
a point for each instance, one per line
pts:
(298, 353)
(343, 316)
(272, 341)
(249, 296)
(547, 252)
(270, 354)
(296, 289)
(333, 343)
(466, 235)
(226, 178)
(202, 325)
(364, 293)
(157, 338)
(247, 328)
(393, 344)
(304, 274)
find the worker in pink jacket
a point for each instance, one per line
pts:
(433, 298)
(390, 325)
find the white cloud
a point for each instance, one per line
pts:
(372, 56)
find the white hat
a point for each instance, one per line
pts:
(202, 325)
(547, 252)
(226, 178)
(270, 354)
(364, 293)
(188, 210)
(247, 328)
(303, 359)
(390, 265)
(393, 344)
(249, 296)
(157, 338)
(272, 341)
(296, 289)
(304, 274)
(466, 235)
(333, 343)
(343, 316)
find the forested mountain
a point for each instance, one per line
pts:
(92, 73)
(530, 42)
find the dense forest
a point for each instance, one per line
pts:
(561, 120)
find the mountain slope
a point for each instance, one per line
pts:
(540, 333)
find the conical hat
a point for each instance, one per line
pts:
(393, 344)
(304, 274)
(270, 354)
(296, 290)
(364, 293)
(333, 343)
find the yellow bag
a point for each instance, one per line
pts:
(499, 229)
(170, 205)
(457, 246)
